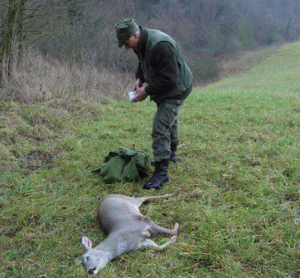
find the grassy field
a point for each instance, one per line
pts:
(236, 188)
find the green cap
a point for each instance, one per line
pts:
(124, 30)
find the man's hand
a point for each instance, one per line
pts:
(141, 95)
(137, 85)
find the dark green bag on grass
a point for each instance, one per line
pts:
(124, 166)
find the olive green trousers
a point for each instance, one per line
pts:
(165, 127)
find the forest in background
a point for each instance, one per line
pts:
(81, 33)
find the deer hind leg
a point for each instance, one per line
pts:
(154, 229)
(137, 202)
(147, 198)
(148, 243)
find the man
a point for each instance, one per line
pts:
(169, 82)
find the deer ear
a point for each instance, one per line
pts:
(87, 244)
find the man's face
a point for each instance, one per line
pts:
(132, 43)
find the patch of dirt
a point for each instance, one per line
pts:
(292, 197)
(37, 160)
(13, 231)
(33, 219)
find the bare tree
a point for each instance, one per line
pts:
(20, 20)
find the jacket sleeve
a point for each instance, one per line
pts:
(164, 62)
(139, 73)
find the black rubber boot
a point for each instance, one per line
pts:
(160, 175)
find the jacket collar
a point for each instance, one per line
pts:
(143, 42)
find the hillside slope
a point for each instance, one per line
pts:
(280, 72)
(236, 187)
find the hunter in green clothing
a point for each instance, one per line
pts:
(169, 82)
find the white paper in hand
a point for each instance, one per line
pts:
(132, 95)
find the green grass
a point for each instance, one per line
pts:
(236, 188)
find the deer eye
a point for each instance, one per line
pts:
(87, 258)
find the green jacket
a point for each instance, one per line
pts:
(162, 66)
(124, 165)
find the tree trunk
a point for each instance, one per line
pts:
(1, 55)
(287, 30)
(12, 12)
(21, 35)
(1, 72)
